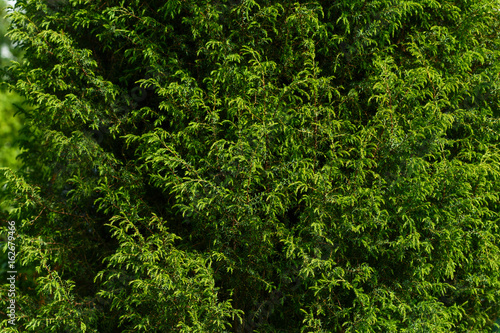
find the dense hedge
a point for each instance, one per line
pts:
(258, 166)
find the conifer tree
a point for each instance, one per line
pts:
(257, 166)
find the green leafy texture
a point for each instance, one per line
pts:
(213, 166)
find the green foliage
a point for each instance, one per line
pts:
(10, 125)
(258, 166)
(10, 130)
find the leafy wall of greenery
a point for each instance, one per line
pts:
(258, 166)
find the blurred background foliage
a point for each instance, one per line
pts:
(10, 122)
